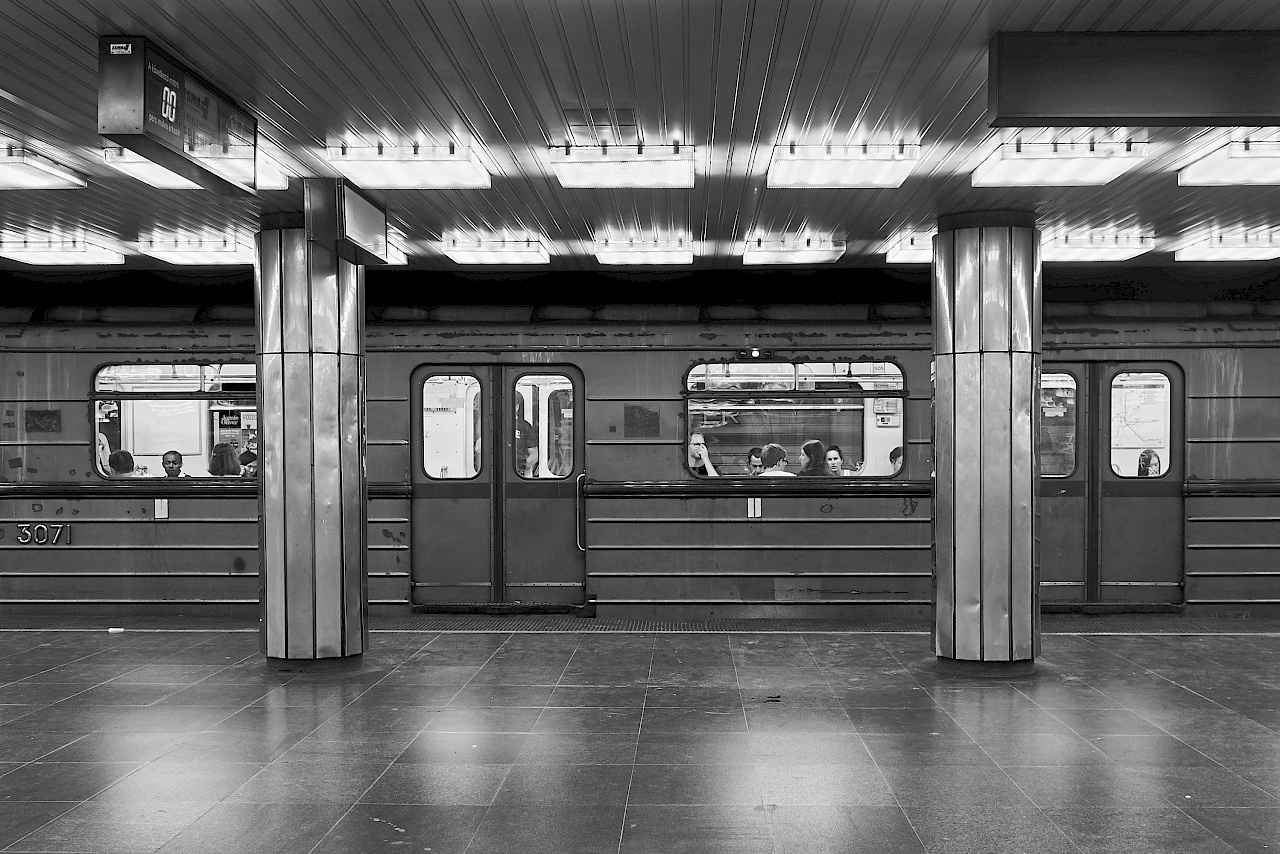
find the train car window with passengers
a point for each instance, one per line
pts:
(543, 430)
(856, 406)
(1140, 416)
(154, 412)
(1057, 425)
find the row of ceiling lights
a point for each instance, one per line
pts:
(1014, 163)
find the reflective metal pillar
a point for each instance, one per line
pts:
(312, 507)
(986, 340)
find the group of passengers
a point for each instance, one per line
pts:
(223, 462)
(816, 460)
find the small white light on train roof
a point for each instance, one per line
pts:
(24, 169)
(425, 167)
(1237, 162)
(842, 166)
(911, 247)
(679, 250)
(463, 248)
(214, 251)
(137, 166)
(56, 251)
(641, 166)
(806, 249)
(1261, 247)
(1096, 247)
(1057, 164)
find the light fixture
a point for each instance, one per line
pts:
(416, 167)
(139, 167)
(657, 166)
(23, 169)
(1096, 247)
(1261, 247)
(911, 247)
(1057, 164)
(637, 251)
(841, 165)
(206, 251)
(397, 247)
(1237, 162)
(56, 251)
(494, 249)
(808, 249)
(242, 165)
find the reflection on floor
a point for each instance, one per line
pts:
(564, 742)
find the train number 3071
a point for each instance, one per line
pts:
(43, 535)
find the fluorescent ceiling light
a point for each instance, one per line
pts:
(1096, 247)
(397, 248)
(1057, 164)
(197, 250)
(451, 167)
(238, 164)
(23, 169)
(792, 250)
(1259, 248)
(673, 251)
(145, 170)
(656, 166)
(1243, 162)
(482, 249)
(915, 247)
(841, 165)
(57, 251)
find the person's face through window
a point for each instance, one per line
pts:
(755, 465)
(833, 462)
(172, 465)
(697, 448)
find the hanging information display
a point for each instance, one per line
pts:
(151, 104)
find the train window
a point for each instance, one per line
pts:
(158, 420)
(1057, 425)
(543, 446)
(451, 417)
(855, 406)
(1140, 412)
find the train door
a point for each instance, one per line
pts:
(1111, 469)
(497, 478)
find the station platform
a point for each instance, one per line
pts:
(470, 734)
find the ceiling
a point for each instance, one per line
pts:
(730, 77)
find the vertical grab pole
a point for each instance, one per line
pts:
(580, 508)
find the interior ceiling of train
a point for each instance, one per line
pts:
(723, 85)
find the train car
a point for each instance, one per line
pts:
(540, 456)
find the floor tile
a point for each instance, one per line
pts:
(719, 829)
(19, 818)
(248, 828)
(587, 785)
(1249, 830)
(830, 785)
(982, 828)
(820, 829)
(437, 828)
(61, 781)
(437, 783)
(548, 829)
(481, 748)
(695, 784)
(97, 828)
(1153, 830)
(694, 720)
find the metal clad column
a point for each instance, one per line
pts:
(312, 504)
(987, 311)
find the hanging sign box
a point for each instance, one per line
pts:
(151, 104)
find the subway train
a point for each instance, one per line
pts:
(540, 457)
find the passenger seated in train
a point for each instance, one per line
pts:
(699, 459)
(895, 459)
(121, 463)
(172, 463)
(754, 464)
(248, 464)
(1148, 463)
(813, 459)
(223, 461)
(774, 457)
(835, 461)
(526, 443)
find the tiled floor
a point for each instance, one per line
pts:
(632, 743)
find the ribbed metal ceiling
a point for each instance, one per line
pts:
(511, 77)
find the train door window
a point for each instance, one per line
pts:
(205, 413)
(451, 417)
(1140, 421)
(854, 406)
(543, 425)
(1057, 425)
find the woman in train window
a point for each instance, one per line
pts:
(813, 459)
(1148, 463)
(223, 461)
(699, 458)
(835, 461)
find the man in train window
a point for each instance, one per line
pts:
(526, 446)
(172, 462)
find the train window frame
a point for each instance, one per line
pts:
(1166, 462)
(541, 371)
(1075, 453)
(480, 401)
(209, 390)
(887, 401)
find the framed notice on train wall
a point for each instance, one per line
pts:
(152, 104)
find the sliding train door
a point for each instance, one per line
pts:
(497, 472)
(1111, 483)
